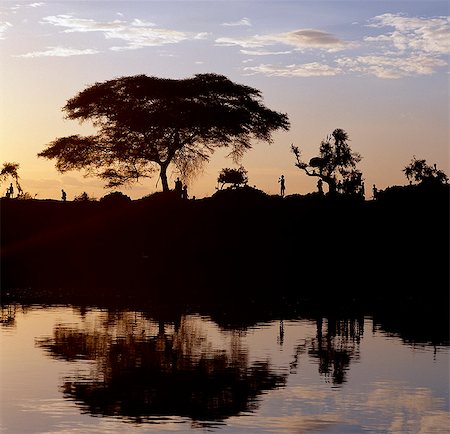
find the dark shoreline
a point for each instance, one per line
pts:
(237, 243)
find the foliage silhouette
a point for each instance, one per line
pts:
(336, 163)
(236, 177)
(11, 170)
(148, 123)
(116, 197)
(83, 197)
(419, 171)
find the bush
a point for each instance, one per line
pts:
(115, 197)
(84, 197)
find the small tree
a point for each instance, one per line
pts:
(11, 170)
(236, 177)
(335, 165)
(84, 197)
(419, 171)
(147, 124)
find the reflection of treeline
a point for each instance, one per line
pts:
(144, 368)
(139, 375)
(312, 247)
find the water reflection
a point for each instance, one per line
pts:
(335, 346)
(285, 370)
(145, 369)
(8, 315)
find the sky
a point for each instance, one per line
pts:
(376, 69)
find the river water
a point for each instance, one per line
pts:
(67, 369)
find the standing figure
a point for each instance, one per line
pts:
(11, 190)
(63, 195)
(320, 186)
(184, 193)
(179, 187)
(374, 191)
(282, 185)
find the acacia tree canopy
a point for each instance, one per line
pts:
(236, 177)
(11, 170)
(336, 162)
(147, 123)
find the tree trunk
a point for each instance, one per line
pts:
(163, 176)
(332, 188)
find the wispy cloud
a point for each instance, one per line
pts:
(58, 52)
(263, 52)
(17, 7)
(136, 34)
(313, 69)
(414, 47)
(243, 22)
(4, 26)
(301, 39)
(391, 67)
(429, 35)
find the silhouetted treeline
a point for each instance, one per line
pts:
(239, 241)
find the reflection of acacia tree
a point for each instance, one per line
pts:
(178, 373)
(336, 347)
(8, 315)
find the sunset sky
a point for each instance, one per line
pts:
(377, 69)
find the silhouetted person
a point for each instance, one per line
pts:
(320, 186)
(179, 187)
(11, 190)
(7, 193)
(282, 185)
(184, 193)
(63, 195)
(363, 189)
(374, 191)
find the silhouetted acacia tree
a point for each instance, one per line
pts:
(145, 123)
(236, 177)
(335, 164)
(11, 170)
(419, 171)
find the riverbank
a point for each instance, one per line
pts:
(310, 248)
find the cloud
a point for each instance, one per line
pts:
(136, 34)
(263, 53)
(313, 69)
(415, 47)
(16, 7)
(301, 39)
(391, 67)
(428, 35)
(243, 22)
(4, 26)
(311, 38)
(58, 52)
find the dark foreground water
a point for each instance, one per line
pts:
(89, 370)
